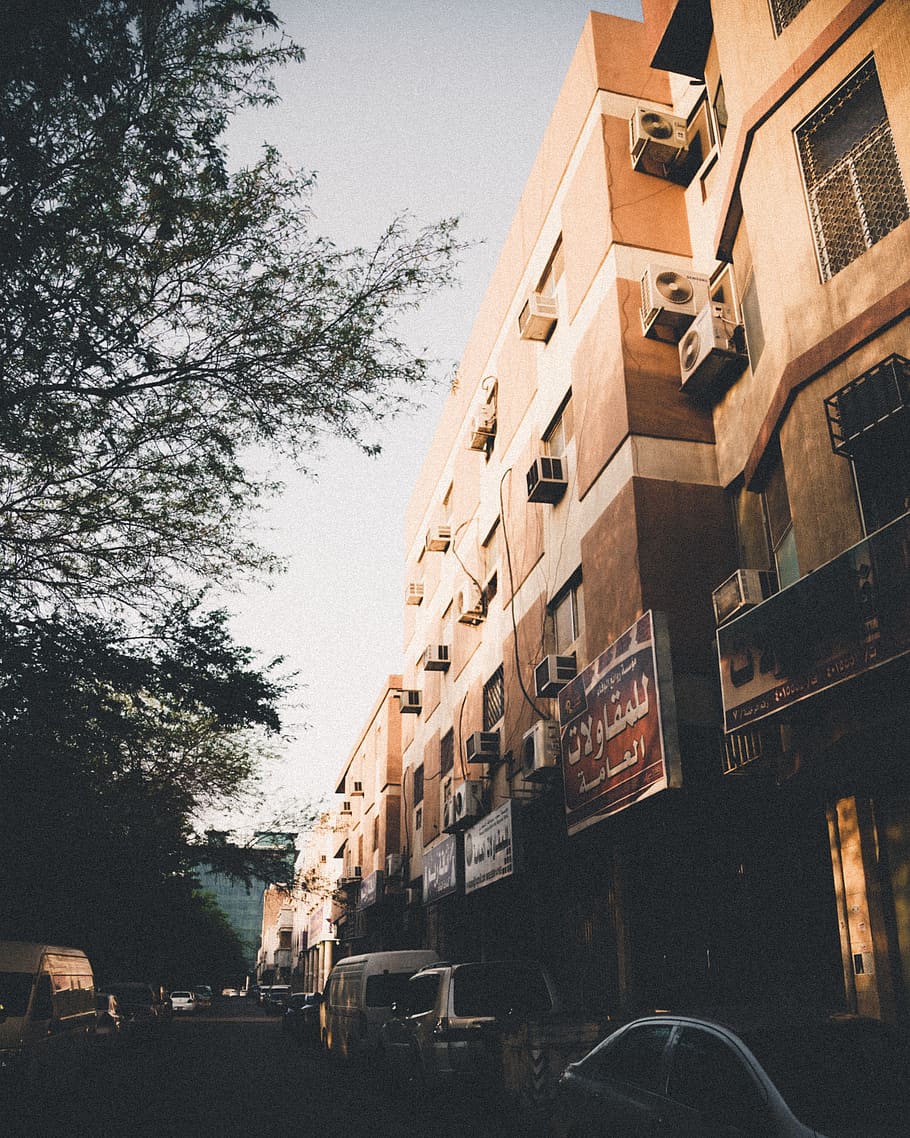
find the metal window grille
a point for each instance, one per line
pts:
(879, 396)
(854, 187)
(418, 785)
(447, 752)
(784, 12)
(493, 699)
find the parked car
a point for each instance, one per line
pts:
(108, 1021)
(446, 1024)
(140, 1008)
(273, 997)
(230, 993)
(812, 1077)
(359, 995)
(183, 1001)
(301, 1017)
(203, 994)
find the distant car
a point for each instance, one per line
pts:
(274, 997)
(203, 994)
(448, 1018)
(813, 1077)
(301, 1017)
(230, 993)
(108, 1021)
(183, 1002)
(140, 1008)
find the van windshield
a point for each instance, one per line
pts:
(387, 988)
(14, 992)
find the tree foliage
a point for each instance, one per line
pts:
(161, 314)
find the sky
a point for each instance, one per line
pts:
(419, 106)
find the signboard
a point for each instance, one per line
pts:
(488, 849)
(440, 869)
(846, 618)
(319, 926)
(371, 889)
(617, 727)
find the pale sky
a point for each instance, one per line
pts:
(436, 109)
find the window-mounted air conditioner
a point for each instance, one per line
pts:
(468, 802)
(414, 593)
(537, 318)
(482, 747)
(409, 702)
(670, 301)
(438, 539)
(658, 142)
(436, 658)
(547, 479)
(743, 590)
(351, 875)
(552, 674)
(483, 428)
(469, 604)
(411, 896)
(540, 749)
(709, 352)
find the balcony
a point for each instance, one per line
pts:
(876, 401)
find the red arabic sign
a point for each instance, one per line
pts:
(618, 727)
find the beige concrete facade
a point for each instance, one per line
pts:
(783, 869)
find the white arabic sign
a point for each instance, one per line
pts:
(488, 849)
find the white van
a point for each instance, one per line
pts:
(359, 995)
(47, 1003)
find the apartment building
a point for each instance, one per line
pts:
(653, 717)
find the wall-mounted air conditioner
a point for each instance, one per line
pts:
(540, 749)
(414, 593)
(537, 318)
(483, 428)
(547, 479)
(394, 865)
(469, 604)
(482, 747)
(743, 590)
(411, 896)
(436, 658)
(438, 539)
(658, 142)
(670, 301)
(468, 799)
(552, 674)
(409, 702)
(710, 352)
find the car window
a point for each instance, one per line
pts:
(709, 1076)
(636, 1057)
(15, 989)
(421, 994)
(386, 988)
(499, 990)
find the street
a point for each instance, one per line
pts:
(229, 1072)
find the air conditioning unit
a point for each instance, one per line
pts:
(547, 479)
(537, 318)
(658, 142)
(468, 799)
(448, 816)
(709, 352)
(483, 429)
(409, 702)
(743, 590)
(552, 674)
(394, 865)
(414, 593)
(469, 604)
(411, 896)
(670, 301)
(438, 539)
(482, 747)
(436, 658)
(540, 749)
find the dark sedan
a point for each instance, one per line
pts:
(301, 1017)
(666, 1075)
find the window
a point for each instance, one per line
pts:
(557, 436)
(418, 784)
(418, 818)
(720, 110)
(708, 1076)
(493, 699)
(447, 752)
(637, 1057)
(552, 274)
(375, 833)
(784, 12)
(566, 617)
(752, 322)
(853, 181)
(780, 524)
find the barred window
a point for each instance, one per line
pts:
(784, 12)
(493, 699)
(418, 785)
(853, 180)
(447, 752)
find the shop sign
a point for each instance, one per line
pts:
(440, 869)
(371, 889)
(617, 726)
(846, 618)
(319, 927)
(488, 849)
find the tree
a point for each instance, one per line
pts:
(110, 747)
(161, 315)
